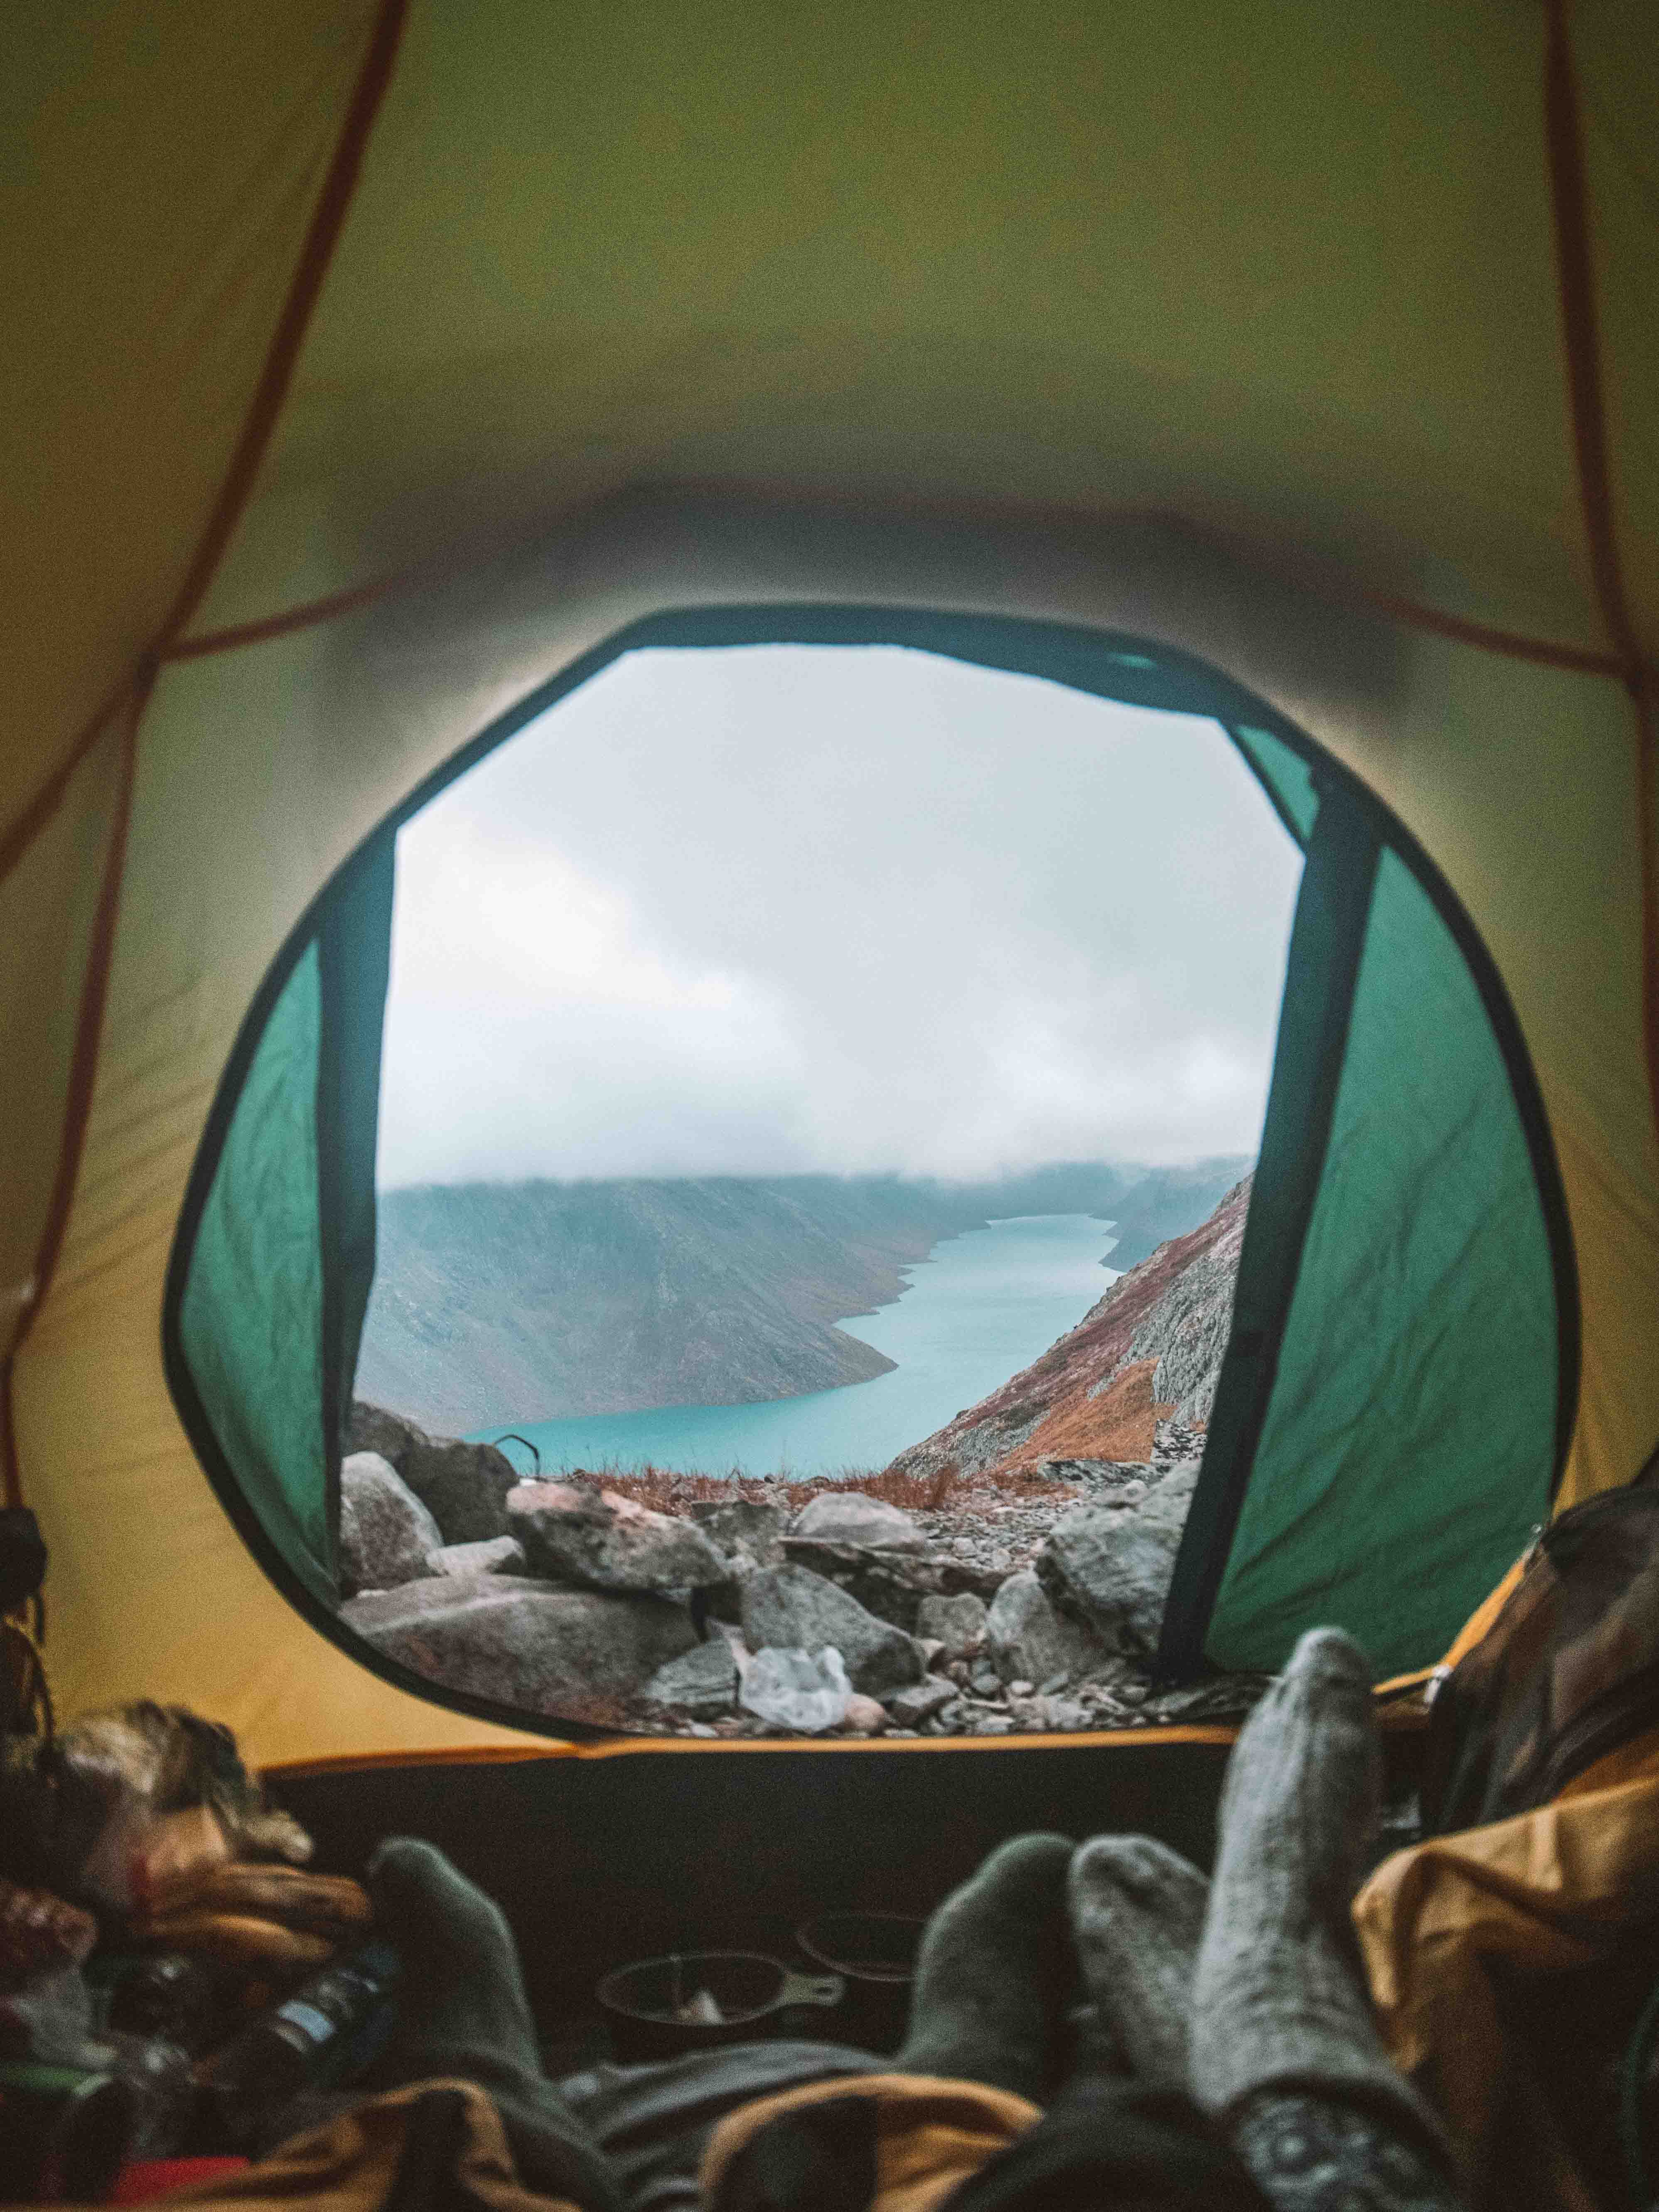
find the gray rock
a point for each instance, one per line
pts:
(496, 1555)
(793, 1607)
(868, 1525)
(372, 1428)
(530, 1648)
(748, 1536)
(798, 1689)
(1109, 1567)
(464, 1486)
(958, 1623)
(890, 1584)
(605, 1541)
(385, 1533)
(1028, 1639)
(702, 1685)
(911, 1707)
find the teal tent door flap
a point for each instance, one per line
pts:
(271, 1270)
(1399, 1391)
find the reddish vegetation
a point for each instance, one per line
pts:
(1047, 1410)
(666, 1492)
(1120, 1424)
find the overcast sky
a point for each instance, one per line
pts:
(780, 908)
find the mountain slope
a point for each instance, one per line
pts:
(531, 1301)
(1151, 1349)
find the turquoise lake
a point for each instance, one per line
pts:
(977, 1309)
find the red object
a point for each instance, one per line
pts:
(144, 2179)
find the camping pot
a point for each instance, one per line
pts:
(876, 1954)
(698, 2000)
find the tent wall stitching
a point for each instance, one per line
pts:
(1581, 334)
(1321, 581)
(328, 218)
(322, 235)
(83, 1070)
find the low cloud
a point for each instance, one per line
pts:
(781, 909)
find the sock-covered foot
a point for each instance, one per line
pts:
(1279, 1996)
(462, 1988)
(462, 2012)
(1137, 1916)
(994, 1972)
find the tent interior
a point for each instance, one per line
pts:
(380, 371)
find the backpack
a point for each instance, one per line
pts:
(1568, 1672)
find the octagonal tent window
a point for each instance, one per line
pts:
(1393, 1370)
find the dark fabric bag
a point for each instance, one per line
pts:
(23, 1557)
(1568, 1672)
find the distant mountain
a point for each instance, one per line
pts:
(524, 1302)
(1152, 1349)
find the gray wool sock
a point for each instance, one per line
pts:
(1137, 1916)
(1278, 1997)
(994, 1972)
(462, 2013)
(462, 1989)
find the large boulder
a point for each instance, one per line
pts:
(850, 1518)
(498, 1555)
(698, 1686)
(373, 1429)
(747, 1534)
(1029, 1640)
(793, 1607)
(957, 1623)
(385, 1533)
(462, 1485)
(1109, 1567)
(608, 1542)
(517, 1642)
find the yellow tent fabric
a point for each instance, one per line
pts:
(1241, 326)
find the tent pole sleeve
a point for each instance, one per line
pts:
(355, 948)
(1327, 938)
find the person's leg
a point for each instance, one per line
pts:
(1123, 2132)
(462, 2013)
(1284, 2051)
(1137, 1916)
(994, 1973)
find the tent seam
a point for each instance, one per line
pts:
(1580, 341)
(281, 356)
(83, 1073)
(1335, 589)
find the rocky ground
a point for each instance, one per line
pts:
(994, 1605)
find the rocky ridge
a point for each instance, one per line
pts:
(990, 1614)
(1148, 1353)
(606, 1297)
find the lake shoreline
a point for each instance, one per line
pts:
(983, 1303)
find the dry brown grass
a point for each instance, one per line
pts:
(947, 1490)
(666, 1490)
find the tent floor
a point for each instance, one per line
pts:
(600, 1861)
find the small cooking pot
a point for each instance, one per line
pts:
(875, 1953)
(698, 2000)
